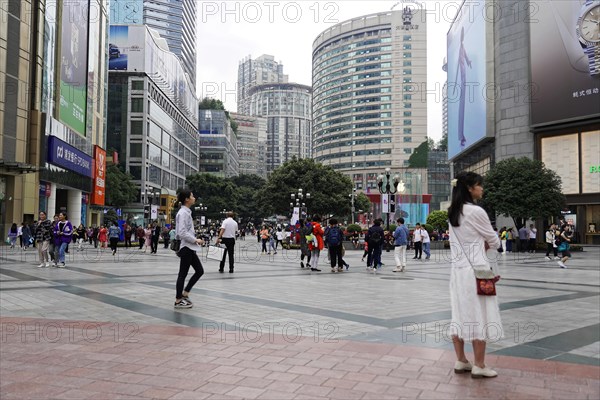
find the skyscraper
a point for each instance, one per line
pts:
(263, 69)
(369, 103)
(174, 20)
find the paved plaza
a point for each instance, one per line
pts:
(105, 327)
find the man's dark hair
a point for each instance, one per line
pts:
(400, 220)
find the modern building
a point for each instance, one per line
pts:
(546, 101)
(218, 144)
(54, 111)
(174, 20)
(261, 70)
(251, 144)
(438, 178)
(287, 108)
(152, 119)
(369, 100)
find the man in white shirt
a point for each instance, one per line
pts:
(532, 238)
(426, 243)
(227, 235)
(418, 242)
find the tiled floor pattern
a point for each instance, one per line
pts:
(65, 359)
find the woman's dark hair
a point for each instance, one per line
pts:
(14, 227)
(64, 214)
(115, 223)
(183, 195)
(377, 222)
(316, 218)
(461, 194)
(333, 221)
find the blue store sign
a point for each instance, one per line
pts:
(64, 155)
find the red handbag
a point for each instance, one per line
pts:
(486, 282)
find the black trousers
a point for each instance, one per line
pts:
(550, 247)
(229, 244)
(113, 243)
(154, 245)
(335, 256)
(418, 249)
(188, 258)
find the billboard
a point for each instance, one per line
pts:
(566, 75)
(125, 48)
(73, 64)
(99, 178)
(467, 56)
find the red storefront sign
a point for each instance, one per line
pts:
(99, 176)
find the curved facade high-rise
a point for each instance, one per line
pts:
(175, 21)
(287, 107)
(369, 94)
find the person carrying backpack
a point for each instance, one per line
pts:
(374, 238)
(333, 239)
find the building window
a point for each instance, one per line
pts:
(407, 122)
(408, 113)
(407, 139)
(407, 63)
(407, 38)
(407, 55)
(407, 97)
(137, 85)
(135, 150)
(137, 105)
(407, 71)
(407, 105)
(407, 47)
(136, 127)
(407, 151)
(407, 131)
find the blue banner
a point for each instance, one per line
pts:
(64, 155)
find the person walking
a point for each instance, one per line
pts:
(532, 238)
(264, 237)
(184, 226)
(305, 229)
(53, 249)
(374, 238)
(510, 240)
(26, 235)
(128, 233)
(103, 236)
(166, 237)
(334, 240)
(551, 242)
(141, 236)
(13, 234)
(172, 234)
(426, 241)
(563, 247)
(80, 237)
(148, 238)
(227, 236)
(400, 242)
(316, 245)
(155, 238)
(473, 316)
(523, 239)
(418, 242)
(114, 235)
(43, 236)
(63, 231)
(503, 234)
(279, 237)
(272, 240)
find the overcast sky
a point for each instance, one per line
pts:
(230, 31)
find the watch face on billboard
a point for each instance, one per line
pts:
(565, 75)
(467, 103)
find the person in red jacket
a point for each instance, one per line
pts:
(316, 249)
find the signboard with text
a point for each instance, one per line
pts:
(99, 178)
(64, 155)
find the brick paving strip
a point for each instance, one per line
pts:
(59, 359)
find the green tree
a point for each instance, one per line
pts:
(443, 143)
(214, 192)
(120, 189)
(438, 219)
(328, 189)
(523, 189)
(110, 217)
(419, 158)
(246, 203)
(211, 104)
(362, 202)
(354, 228)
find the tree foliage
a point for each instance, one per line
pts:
(362, 202)
(328, 189)
(120, 189)
(419, 158)
(523, 189)
(443, 143)
(438, 219)
(354, 228)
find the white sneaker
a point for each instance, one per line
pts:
(42, 265)
(48, 265)
(340, 269)
(486, 372)
(562, 264)
(548, 258)
(61, 265)
(397, 269)
(402, 269)
(557, 258)
(333, 270)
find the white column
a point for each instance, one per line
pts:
(74, 207)
(52, 202)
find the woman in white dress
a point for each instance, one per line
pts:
(475, 318)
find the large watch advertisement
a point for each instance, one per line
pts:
(565, 60)
(467, 79)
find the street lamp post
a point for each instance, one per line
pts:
(352, 197)
(386, 187)
(150, 196)
(297, 199)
